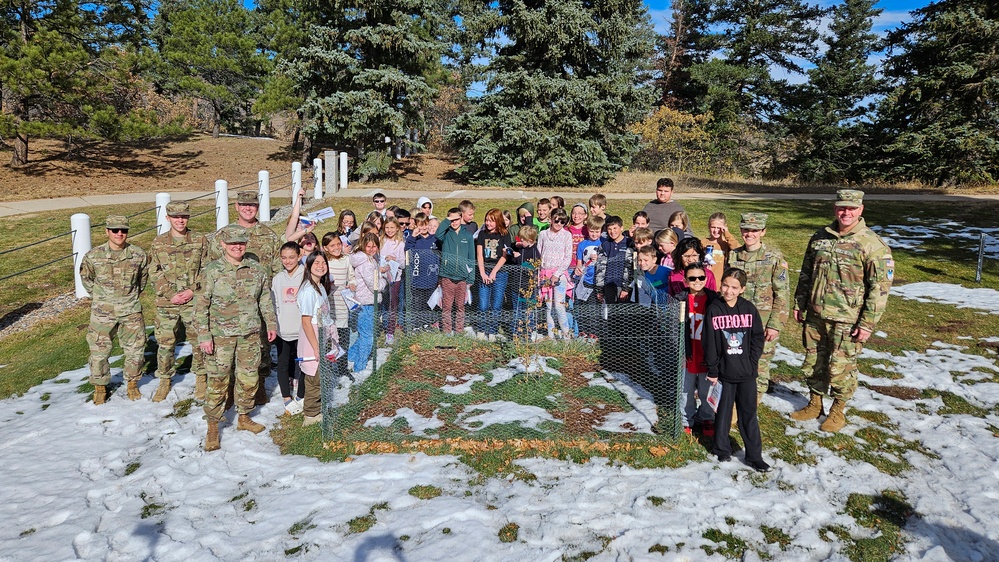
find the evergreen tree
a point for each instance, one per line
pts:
(831, 105)
(209, 51)
(567, 80)
(369, 71)
(67, 70)
(940, 122)
(282, 35)
(687, 43)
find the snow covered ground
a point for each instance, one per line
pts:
(124, 481)
(911, 236)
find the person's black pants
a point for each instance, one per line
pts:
(742, 395)
(287, 367)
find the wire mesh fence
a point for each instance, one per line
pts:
(528, 359)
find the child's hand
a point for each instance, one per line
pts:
(712, 380)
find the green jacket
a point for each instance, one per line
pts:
(177, 264)
(457, 253)
(845, 278)
(234, 300)
(115, 279)
(767, 283)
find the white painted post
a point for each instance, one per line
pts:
(79, 223)
(296, 179)
(388, 145)
(264, 195)
(330, 160)
(221, 203)
(317, 175)
(162, 224)
(343, 170)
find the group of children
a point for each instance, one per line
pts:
(543, 257)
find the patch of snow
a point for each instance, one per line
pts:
(503, 411)
(947, 293)
(416, 422)
(465, 387)
(912, 236)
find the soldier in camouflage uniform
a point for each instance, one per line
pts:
(228, 311)
(264, 247)
(177, 259)
(114, 274)
(842, 293)
(767, 286)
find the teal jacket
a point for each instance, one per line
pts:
(457, 253)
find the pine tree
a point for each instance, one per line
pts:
(282, 35)
(369, 71)
(210, 51)
(566, 81)
(831, 105)
(940, 122)
(688, 43)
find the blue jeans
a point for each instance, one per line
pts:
(360, 352)
(491, 302)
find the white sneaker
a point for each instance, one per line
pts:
(492, 338)
(293, 407)
(310, 420)
(389, 339)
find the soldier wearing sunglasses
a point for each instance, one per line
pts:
(114, 274)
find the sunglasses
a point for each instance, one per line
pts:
(697, 278)
(558, 221)
(379, 200)
(118, 230)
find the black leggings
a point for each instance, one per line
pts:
(288, 367)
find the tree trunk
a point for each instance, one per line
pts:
(20, 157)
(306, 150)
(216, 121)
(294, 140)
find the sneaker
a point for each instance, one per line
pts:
(687, 430)
(760, 466)
(724, 458)
(708, 428)
(293, 407)
(491, 338)
(311, 420)
(389, 339)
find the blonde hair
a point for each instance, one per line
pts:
(666, 235)
(398, 232)
(528, 233)
(682, 216)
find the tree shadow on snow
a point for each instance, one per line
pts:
(372, 548)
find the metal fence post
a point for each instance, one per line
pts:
(981, 258)
(296, 179)
(317, 175)
(221, 204)
(79, 223)
(162, 224)
(343, 170)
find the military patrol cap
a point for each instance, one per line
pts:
(178, 209)
(849, 198)
(753, 221)
(233, 234)
(116, 221)
(247, 198)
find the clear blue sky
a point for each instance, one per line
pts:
(895, 11)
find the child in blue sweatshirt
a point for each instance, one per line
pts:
(424, 263)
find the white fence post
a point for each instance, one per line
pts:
(296, 179)
(79, 223)
(221, 203)
(343, 170)
(162, 224)
(264, 195)
(317, 174)
(330, 160)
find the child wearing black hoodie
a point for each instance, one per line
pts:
(733, 342)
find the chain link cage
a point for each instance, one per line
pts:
(536, 356)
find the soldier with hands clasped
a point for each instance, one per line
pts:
(842, 292)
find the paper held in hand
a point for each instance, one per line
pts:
(714, 396)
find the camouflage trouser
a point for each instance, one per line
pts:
(239, 355)
(763, 379)
(131, 332)
(168, 318)
(830, 358)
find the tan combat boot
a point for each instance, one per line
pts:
(100, 394)
(200, 388)
(162, 390)
(133, 390)
(247, 424)
(810, 412)
(212, 437)
(837, 417)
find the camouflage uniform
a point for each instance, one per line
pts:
(229, 310)
(176, 265)
(114, 280)
(264, 247)
(844, 283)
(767, 287)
